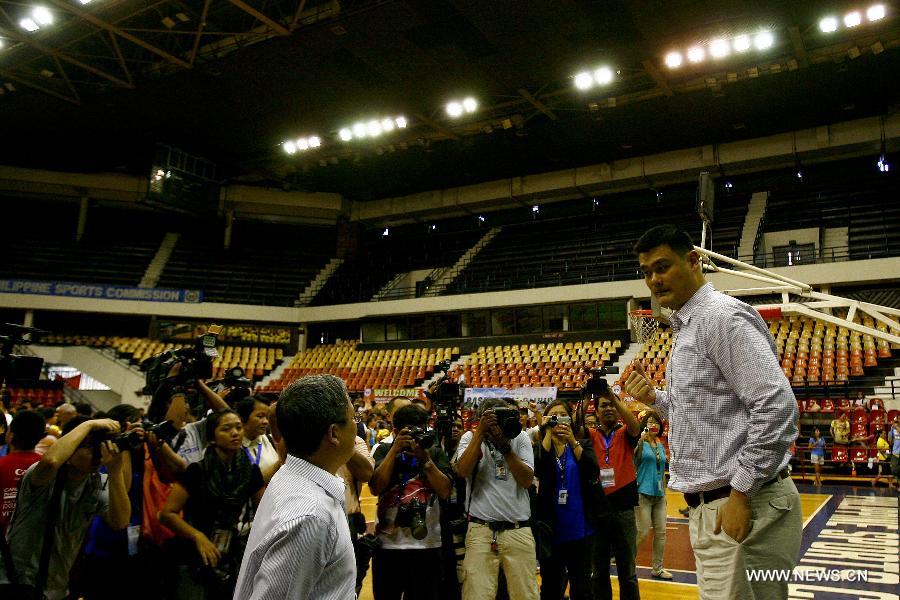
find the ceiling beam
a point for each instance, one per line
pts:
(120, 57)
(10, 33)
(657, 77)
(200, 29)
(281, 29)
(90, 18)
(297, 14)
(799, 46)
(436, 126)
(65, 76)
(40, 88)
(538, 104)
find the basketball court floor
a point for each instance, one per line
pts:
(849, 548)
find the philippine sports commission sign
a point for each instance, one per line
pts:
(105, 292)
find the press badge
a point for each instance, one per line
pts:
(134, 535)
(608, 477)
(563, 496)
(500, 473)
(222, 540)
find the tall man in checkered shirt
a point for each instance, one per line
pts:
(732, 421)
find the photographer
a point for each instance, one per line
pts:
(257, 443)
(411, 473)
(45, 536)
(614, 448)
(567, 469)
(212, 493)
(110, 555)
(499, 469)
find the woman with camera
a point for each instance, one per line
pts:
(564, 517)
(212, 493)
(650, 462)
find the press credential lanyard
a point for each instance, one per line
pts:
(258, 454)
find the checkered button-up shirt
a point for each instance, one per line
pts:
(732, 412)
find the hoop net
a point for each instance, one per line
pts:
(643, 324)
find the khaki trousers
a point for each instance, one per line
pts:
(773, 543)
(515, 553)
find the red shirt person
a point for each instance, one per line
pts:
(25, 431)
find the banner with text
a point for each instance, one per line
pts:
(105, 292)
(541, 396)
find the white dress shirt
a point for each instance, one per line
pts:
(732, 412)
(299, 546)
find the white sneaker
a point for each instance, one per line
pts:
(661, 574)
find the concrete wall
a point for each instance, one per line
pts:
(782, 238)
(862, 271)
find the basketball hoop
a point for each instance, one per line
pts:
(643, 324)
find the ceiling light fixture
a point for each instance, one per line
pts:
(764, 40)
(42, 15)
(696, 54)
(368, 129)
(454, 109)
(741, 43)
(875, 13)
(674, 60)
(470, 105)
(719, 48)
(852, 19)
(603, 76)
(828, 25)
(28, 24)
(584, 81)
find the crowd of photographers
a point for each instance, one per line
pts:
(161, 505)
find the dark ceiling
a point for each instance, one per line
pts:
(380, 58)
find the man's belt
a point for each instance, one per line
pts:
(500, 525)
(695, 499)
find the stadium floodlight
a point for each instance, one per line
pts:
(302, 144)
(674, 60)
(454, 109)
(401, 122)
(469, 104)
(719, 48)
(603, 76)
(28, 24)
(828, 25)
(85, 1)
(345, 134)
(875, 13)
(359, 130)
(763, 40)
(852, 19)
(373, 128)
(584, 81)
(387, 125)
(42, 15)
(741, 43)
(289, 147)
(696, 54)
(314, 141)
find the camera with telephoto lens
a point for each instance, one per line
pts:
(196, 363)
(132, 440)
(412, 514)
(234, 380)
(424, 439)
(508, 421)
(596, 385)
